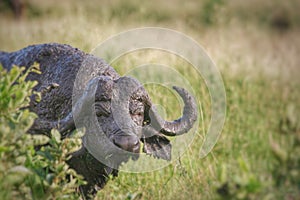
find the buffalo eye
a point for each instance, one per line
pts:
(138, 118)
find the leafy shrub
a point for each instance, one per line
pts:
(25, 171)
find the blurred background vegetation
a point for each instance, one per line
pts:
(256, 46)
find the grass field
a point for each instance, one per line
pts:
(257, 155)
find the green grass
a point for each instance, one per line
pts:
(243, 158)
(256, 155)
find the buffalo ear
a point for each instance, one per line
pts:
(158, 146)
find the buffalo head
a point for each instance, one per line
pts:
(118, 115)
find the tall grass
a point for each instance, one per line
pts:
(256, 155)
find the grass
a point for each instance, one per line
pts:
(256, 155)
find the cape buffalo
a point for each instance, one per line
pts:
(126, 123)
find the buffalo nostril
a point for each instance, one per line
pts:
(135, 141)
(136, 145)
(127, 143)
(133, 144)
